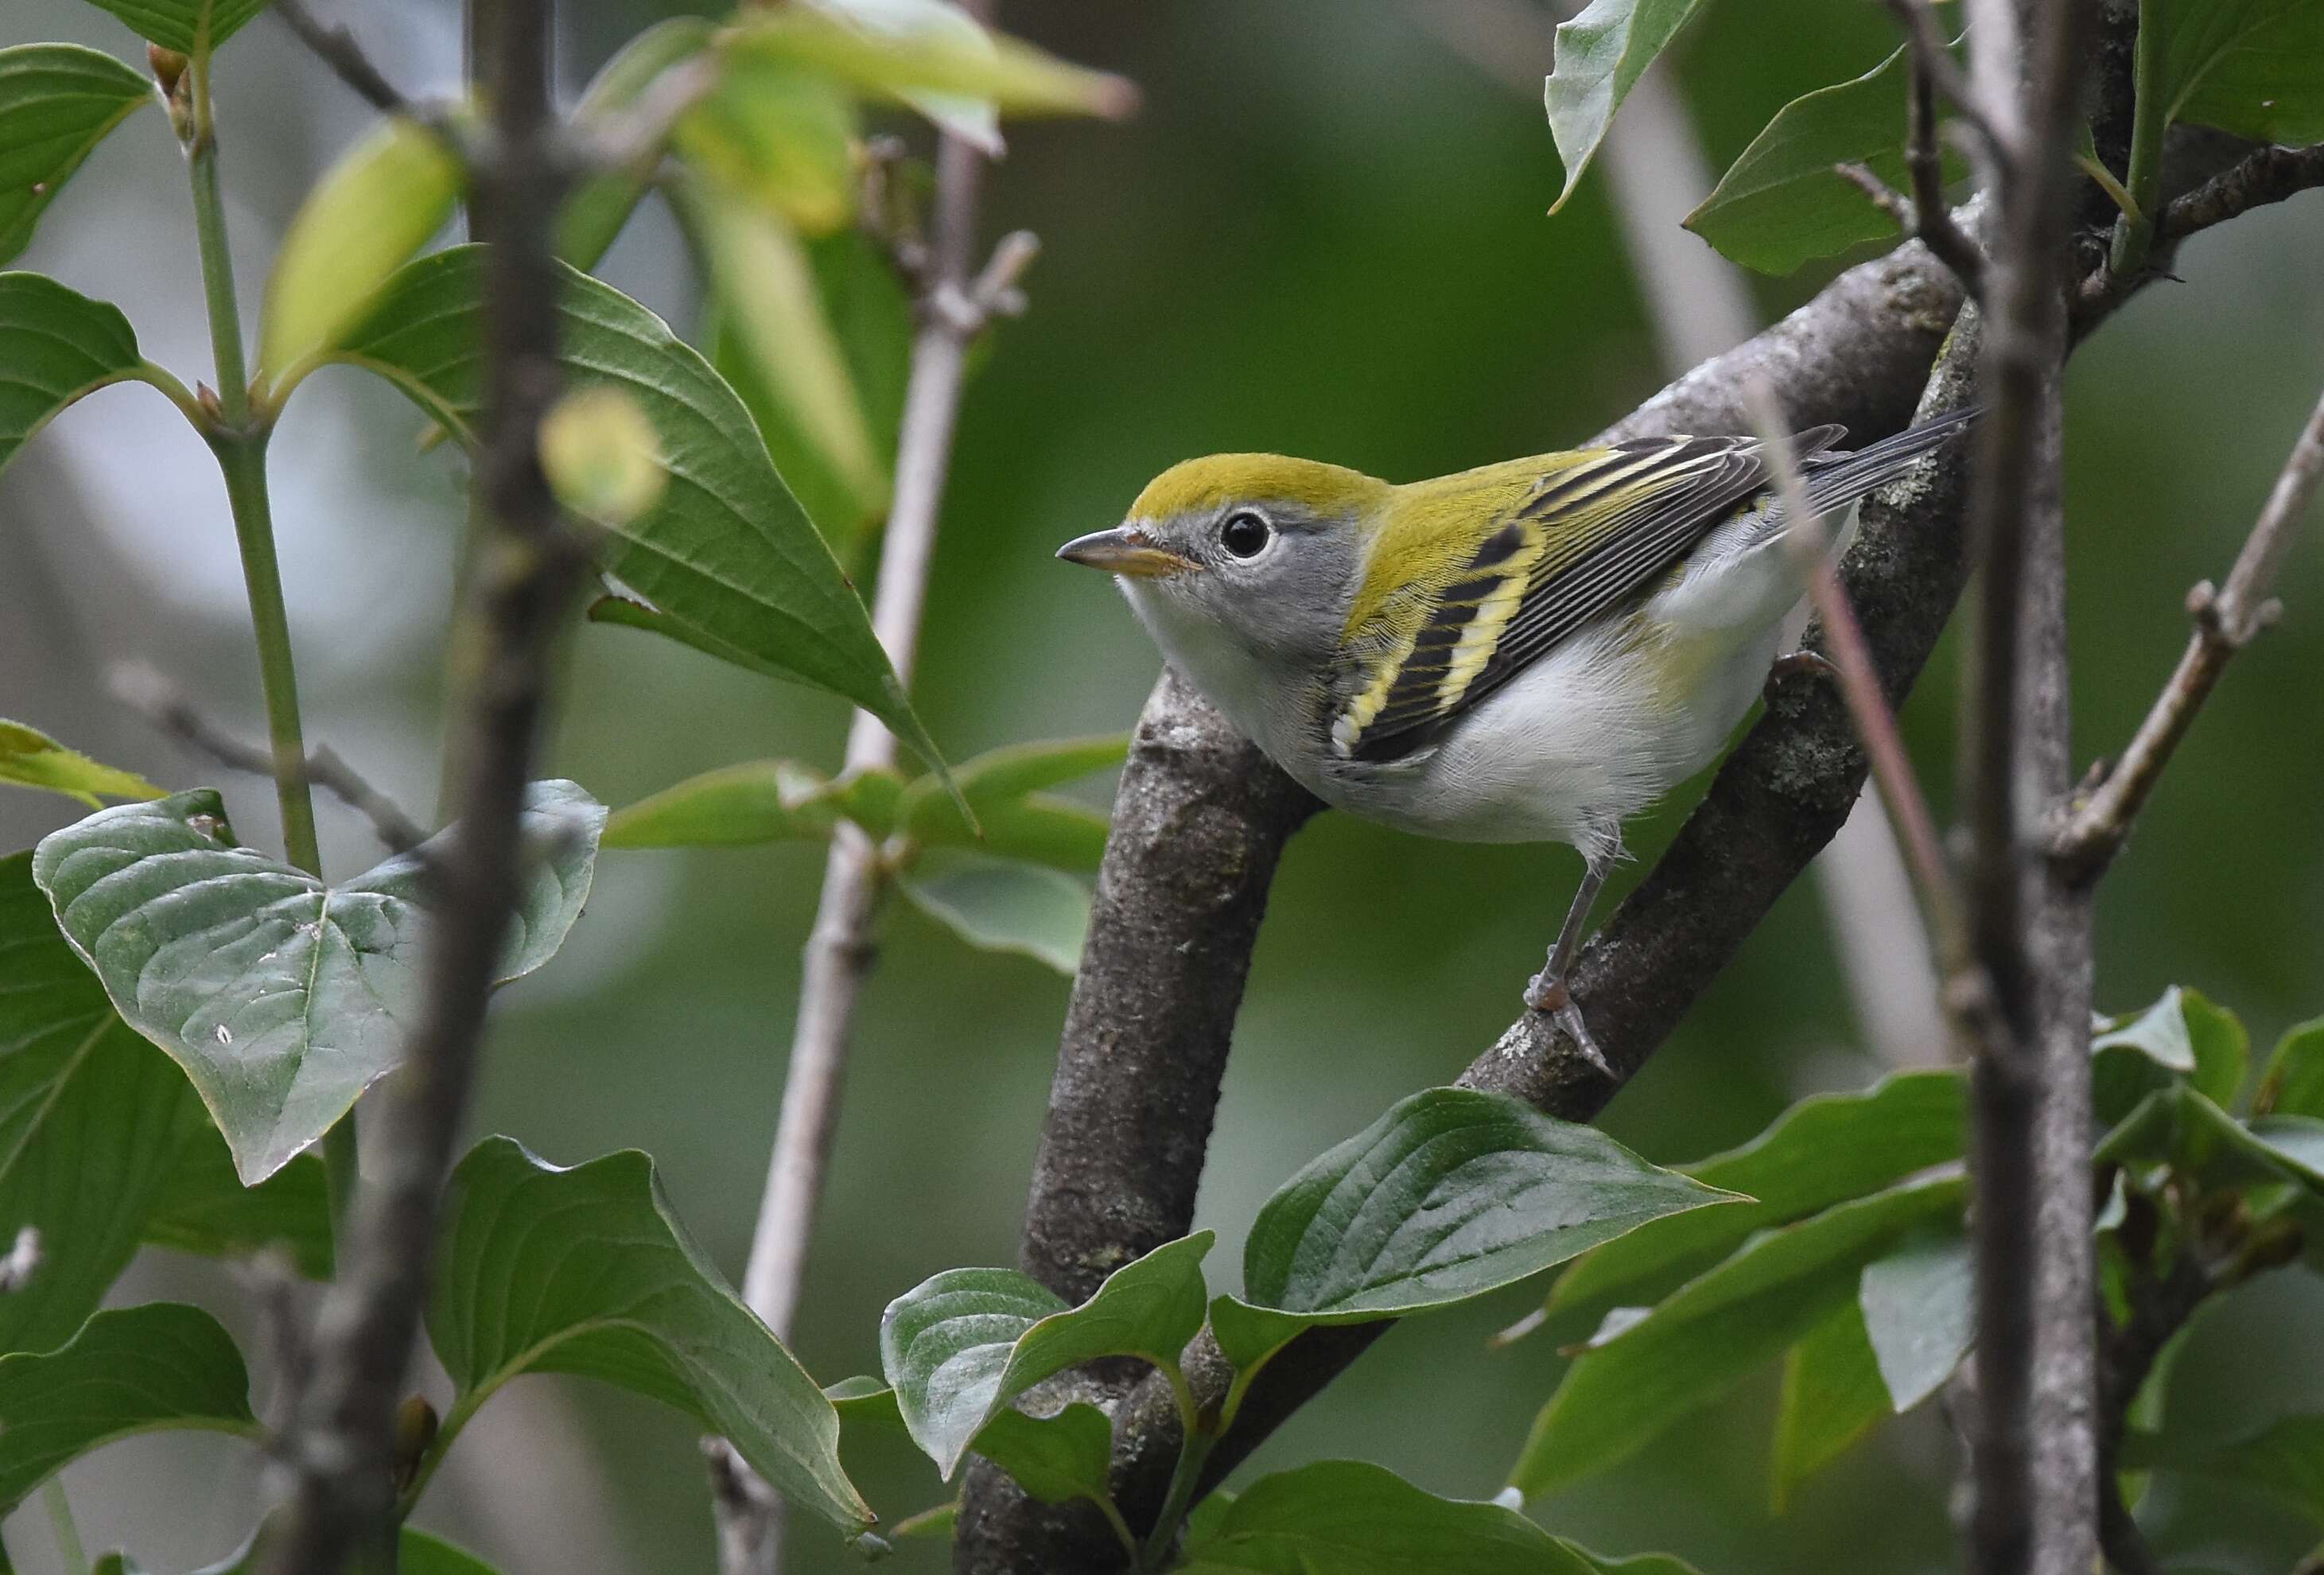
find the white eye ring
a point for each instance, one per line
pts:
(1246, 534)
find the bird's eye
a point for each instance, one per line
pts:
(1245, 535)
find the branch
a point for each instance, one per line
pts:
(1201, 819)
(2269, 175)
(162, 703)
(2225, 623)
(342, 1447)
(337, 48)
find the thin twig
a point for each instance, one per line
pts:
(1934, 60)
(635, 135)
(957, 301)
(529, 566)
(2226, 621)
(2269, 175)
(147, 692)
(1859, 681)
(337, 48)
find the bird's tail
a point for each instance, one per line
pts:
(1834, 480)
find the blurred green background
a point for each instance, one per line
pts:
(1325, 235)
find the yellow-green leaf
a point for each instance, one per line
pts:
(364, 220)
(595, 214)
(777, 135)
(770, 319)
(903, 62)
(29, 758)
(601, 455)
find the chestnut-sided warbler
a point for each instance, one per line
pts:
(1531, 652)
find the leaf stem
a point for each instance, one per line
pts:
(242, 458)
(1194, 1448)
(74, 1556)
(218, 260)
(2134, 235)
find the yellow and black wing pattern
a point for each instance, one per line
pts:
(1585, 537)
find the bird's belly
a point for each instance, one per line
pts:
(1571, 748)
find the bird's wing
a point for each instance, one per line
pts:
(1589, 535)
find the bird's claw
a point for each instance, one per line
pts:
(1549, 995)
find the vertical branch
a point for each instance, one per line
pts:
(528, 565)
(2033, 1452)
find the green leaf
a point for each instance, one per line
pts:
(2182, 1032)
(2294, 1082)
(595, 214)
(961, 1345)
(1600, 55)
(2286, 1458)
(416, 1552)
(190, 27)
(281, 998)
(726, 553)
(1635, 1564)
(1056, 1458)
(1017, 820)
(866, 1401)
(587, 1271)
(1832, 1396)
(56, 102)
(1823, 1150)
(1350, 1518)
(136, 1369)
(764, 801)
(2254, 68)
(1919, 1313)
(2178, 1127)
(770, 322)
(776, 137)
(909, 50)
(871, 316)
(55, 347)
(91, 1120)
(1781, 204)
(29, 758)
(205, 1209)
(1451, 1194)
(997, 906)
(1717, 1330)
(360, 223)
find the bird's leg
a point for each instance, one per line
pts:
(1546, 991)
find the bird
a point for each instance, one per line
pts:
(1533, 650)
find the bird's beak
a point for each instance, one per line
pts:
(1125, 551)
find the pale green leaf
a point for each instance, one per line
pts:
(1001, 905)
(1015, 819)
(726, 555)
(1451, 1194)
(133, 1370)
(2177, 1127)
(1782, 203)
(595, 213)
(190, 27)
(587, 1271)
(960, 1346)
(360, 223)
(29, 758)
(975, 121)
(1832, 1396)
(1600, 55)
(853, 44)
(1919, 1310)
(55, 347)
(56, 102)
(777, 136)
(281, 998)
(770, 319)
(763, 801)
(602, 458)
(1717, 1330)
(1824, 1150)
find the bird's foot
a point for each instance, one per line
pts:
(1793, 662)
(1549, 995)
